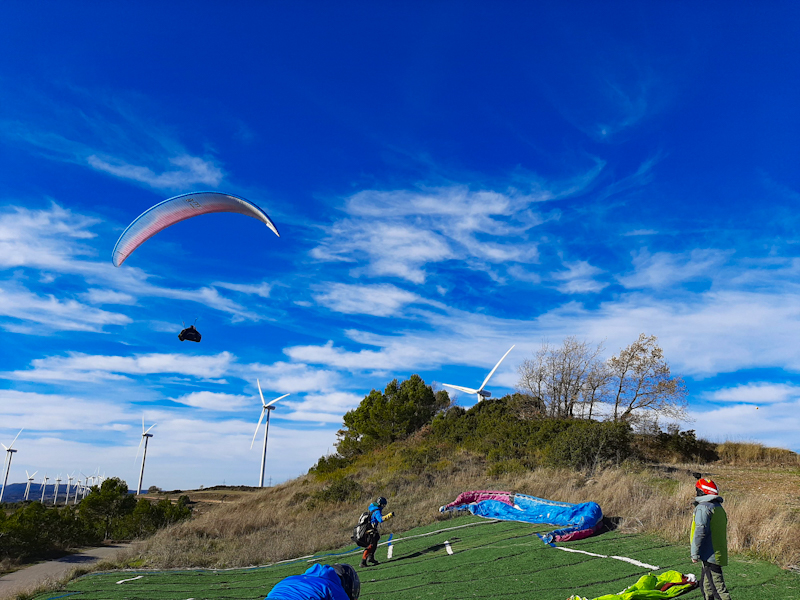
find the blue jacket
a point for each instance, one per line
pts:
(376, 515)
(319, 582)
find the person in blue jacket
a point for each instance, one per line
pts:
(373, 534)
(320, 582)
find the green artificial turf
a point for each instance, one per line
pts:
(490, 560)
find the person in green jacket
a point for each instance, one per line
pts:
(710, 539)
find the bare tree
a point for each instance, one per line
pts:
(559, 377)
(596, 385)
(642, 381)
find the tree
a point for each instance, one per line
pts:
(108, 502)
(642, 381)
(381, 418)
(562, 378)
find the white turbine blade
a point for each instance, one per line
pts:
(15, 439)
(143, 424)
(4, 446)
(263, 410)
(461, 389)
(274, 401)
(258, 383)
(489, 376)
(148, 429)
(34, 474)
(137, 451)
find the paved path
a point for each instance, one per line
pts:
(52, 570)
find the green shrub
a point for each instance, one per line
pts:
(587, 445)
(341, 489)
(329, 464)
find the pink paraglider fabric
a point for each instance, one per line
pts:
(180, 208)
(480, 495)
(578, 535)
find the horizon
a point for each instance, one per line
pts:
(448, 180)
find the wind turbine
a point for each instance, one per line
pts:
(55, 491)
(265, 408)
(30, 481)
(145, 437)
(45, 479)
(480, 392)
(9, 455)
(69, 485)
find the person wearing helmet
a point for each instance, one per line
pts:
(320, 582)
(709, 539)
(373, 534)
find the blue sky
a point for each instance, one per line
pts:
(448, 179)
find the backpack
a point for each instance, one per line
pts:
(361, 530)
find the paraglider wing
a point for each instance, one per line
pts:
(180, 208)
(577, 521)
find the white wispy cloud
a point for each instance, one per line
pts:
(323, 408)
(761, 392)
(108, 135)
(215, 401)
(403, 233)
(77, 366)
(52, 313)
(100, 296)
(188, 171)
(666, 269)
(285, 377)
(261, 289)
(380, 300)
(579, 278)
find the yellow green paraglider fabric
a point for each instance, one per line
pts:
(649, 586)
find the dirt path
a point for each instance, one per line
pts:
(53, 570)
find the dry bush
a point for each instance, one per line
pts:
(276, 523)
(743, 453)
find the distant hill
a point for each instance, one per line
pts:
(15, 492)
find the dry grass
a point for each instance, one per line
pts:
(749, 453)
(274, 524)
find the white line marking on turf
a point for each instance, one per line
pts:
(447, 547)
(623, 558)
(131, 579)
(636, 562)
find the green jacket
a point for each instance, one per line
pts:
(649, 588)
(710, 531)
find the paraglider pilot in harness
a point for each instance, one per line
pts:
(190, 333)
(319, 582)
(370, 535)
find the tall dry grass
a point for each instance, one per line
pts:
(274, 524)
(748, 453)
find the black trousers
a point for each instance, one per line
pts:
(372, 544)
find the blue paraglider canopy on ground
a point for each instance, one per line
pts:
(577, 520)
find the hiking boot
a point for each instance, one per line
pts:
(363, 564)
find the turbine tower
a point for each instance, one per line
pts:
(480, 392)
(9, 455)
(45, 479)
(69, 485)
(145, 436)
(55, 491)
(265, 408)
(30, 481)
